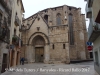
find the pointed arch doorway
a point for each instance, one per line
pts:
(39, 44)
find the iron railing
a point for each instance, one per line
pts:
(17, 41)
(93, 30)
(17, 21)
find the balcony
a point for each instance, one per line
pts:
(88, 11)
(93, 31)
(17, 21)
(17, 41)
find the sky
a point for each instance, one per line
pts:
(33, 6)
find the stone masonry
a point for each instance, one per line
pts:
(60, 31)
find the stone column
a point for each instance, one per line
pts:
(33, 55)
(46, 54)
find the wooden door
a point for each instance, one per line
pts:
(39, 54)
(4, 63)
(12, 58)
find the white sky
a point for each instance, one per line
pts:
(33, 6)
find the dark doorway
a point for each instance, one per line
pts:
(39, 43)
(12, 58)
(91, 54)
(17, 59)
(4, 63)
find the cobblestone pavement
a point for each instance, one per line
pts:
(86, 68)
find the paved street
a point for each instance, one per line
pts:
(53, 69)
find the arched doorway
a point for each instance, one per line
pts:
(39, 43)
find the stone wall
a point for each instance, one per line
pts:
(58, 35)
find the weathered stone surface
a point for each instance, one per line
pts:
(57, 46)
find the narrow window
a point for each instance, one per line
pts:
(18, 2)
(14, 31)
(46, 18)
(58, 19)
(70, 8)
(64, 46)
(53, 46)
(71, 29)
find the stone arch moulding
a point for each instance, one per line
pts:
(36, 34)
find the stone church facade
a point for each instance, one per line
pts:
(55, 35)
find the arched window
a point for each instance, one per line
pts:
(58, 19)
(71, 29)
(46, 18)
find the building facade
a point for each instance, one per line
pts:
(5, 18)
(55, 35)
(10, 32)
(93, 13)
(15, 32)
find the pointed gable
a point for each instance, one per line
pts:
(38, 25)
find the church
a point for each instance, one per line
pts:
(55, 35)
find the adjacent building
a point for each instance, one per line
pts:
(55, 35)
(5, 25)
(15, 32)
(11, 12)
(93, 13)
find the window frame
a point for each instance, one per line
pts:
(58, 19)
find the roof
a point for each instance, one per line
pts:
(35, 19)
(50, 8)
